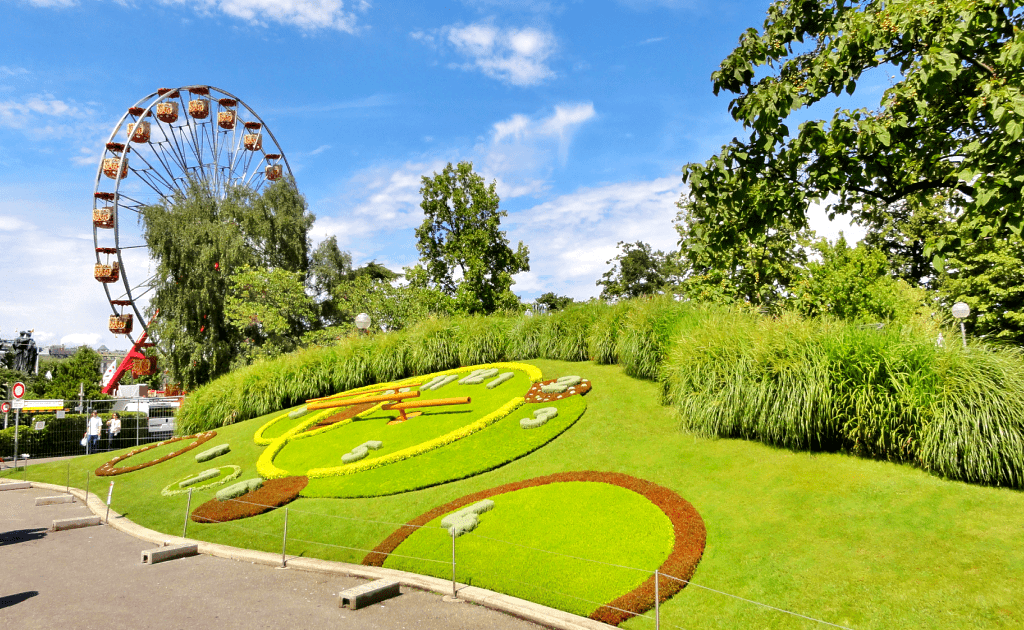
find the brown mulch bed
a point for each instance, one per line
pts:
(537, 396)
(272, 494)
(687, 525)
(108, 469)
(344, 414)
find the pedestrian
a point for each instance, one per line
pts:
(113, 429)
(92, 433)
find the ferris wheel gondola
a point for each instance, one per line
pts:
(172, 137)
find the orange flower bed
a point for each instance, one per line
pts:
(687, 525)
(272, 494)
(108, 469)
(345, 413)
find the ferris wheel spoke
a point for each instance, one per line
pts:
(150, 168)
(144, 178)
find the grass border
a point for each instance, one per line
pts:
(687, 528)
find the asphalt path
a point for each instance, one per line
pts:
(94, 578)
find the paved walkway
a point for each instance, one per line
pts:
(93, 578)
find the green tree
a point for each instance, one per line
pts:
(720, 261)
(270, 308)
(553, 302)
(988, 275)
(854, 283)
(333, 280)
(637, 270)
(951, 124)
(198, 241)
(81, 367)
(461, 233)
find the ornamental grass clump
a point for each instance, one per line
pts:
(433, 346)
(647, 329)
(827, 385)
(566, 333)
(482, 339)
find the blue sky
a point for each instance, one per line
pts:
(583, 112)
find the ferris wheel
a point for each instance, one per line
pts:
(171, 138)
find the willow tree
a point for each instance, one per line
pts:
(198, 241)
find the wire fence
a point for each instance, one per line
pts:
(62, 433)
(446, 563)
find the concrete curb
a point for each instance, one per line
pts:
(521, 608)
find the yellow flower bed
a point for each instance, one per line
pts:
(421, 448)
(265, 464)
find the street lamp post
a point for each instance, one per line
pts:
(960, 310)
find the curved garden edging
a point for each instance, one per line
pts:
(687, 528)
(108, 469)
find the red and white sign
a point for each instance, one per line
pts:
(18, 391)
(5, 407)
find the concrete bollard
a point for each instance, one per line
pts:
(16, 485)
(366, 594)
(64, 498)
(170, 552)
(74, 523)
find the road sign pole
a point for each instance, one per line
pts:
(17, 416)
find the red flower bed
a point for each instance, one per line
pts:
(687, 525)
(272, 494)
(537, 396)
(108, 469)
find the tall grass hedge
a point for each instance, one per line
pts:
(806, 384)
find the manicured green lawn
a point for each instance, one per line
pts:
(596, 521)
(856, 542)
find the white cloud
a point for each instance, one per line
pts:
(514, 56)
(308, 15)
(522, 149)
(53, 3)
(818, 220)
(7, 71)
(572, 237)
(80, 339)
(652, 40)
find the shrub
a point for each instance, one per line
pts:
(224, 475)
(216, 451)
(504, 376)
(540, 417)
(238, 489)
(203, 476)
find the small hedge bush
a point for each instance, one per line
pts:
(209, 454)
(238, 489)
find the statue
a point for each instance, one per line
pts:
(24, 351)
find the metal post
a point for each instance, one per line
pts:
(17, 416)
(455, 594)
(87, 488)
(657, 601)
(963, 333)
(284, 542)
(188, 506)
(110, 494)
(67, 490)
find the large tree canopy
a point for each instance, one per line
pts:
(461, 235)
(199, 241)
(950, 124)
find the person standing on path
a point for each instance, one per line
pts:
(92, 433)
(113, 429)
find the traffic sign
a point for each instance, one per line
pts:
(18, 391)
(18, 403)
(5, 407)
